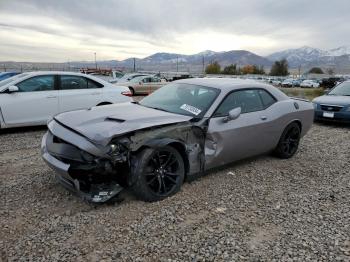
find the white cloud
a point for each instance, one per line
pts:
(47, 30)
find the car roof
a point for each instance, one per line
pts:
(223, 83)
(34, 73)
(226, 85)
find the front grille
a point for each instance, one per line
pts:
(331, 108)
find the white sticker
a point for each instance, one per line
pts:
(191, 109)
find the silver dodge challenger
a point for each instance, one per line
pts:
(177, 133)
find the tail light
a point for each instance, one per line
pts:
(126, 93)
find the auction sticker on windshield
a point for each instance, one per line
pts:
(191, 109)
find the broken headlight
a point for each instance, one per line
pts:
(118, 152)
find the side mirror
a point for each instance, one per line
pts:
(13, 89)
(233, 114)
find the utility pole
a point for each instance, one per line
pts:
(95, 61)
(299, 70)
(134, 64)
(177, 64)
(203, 69)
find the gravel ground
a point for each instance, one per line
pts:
(257, 210)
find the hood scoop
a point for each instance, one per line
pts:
(113, 119)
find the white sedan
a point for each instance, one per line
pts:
(309, 83)
(32, 98)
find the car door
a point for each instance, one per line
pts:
(248, 135)
(34, 103)
(146, 86)
(155, 84)
(78, 92)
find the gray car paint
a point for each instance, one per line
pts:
(101, 124)
(207, 143)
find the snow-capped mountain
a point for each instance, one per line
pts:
(298, 56)
(343, 50)
(308, 55)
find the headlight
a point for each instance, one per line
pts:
(315, 105)
(114, 149)
(348, 109)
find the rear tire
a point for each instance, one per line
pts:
(289, 141)
(159, 173)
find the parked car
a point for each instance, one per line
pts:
(5, 75)
(127, 77)
(32, 98)
(329, 83)
(335, 105)
(309, 83)
(277, 82)
(143, 85)
(287, 83)
(181, 130)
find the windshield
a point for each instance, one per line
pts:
(137, 79)
(184, 99)
(12, 78)
(342, 89)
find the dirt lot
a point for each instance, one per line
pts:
(259, 209)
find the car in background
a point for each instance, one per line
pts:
(5, 75)
(309, 83)
(128, 77)
(143, 85)
(178, 132)
(335, 105)
(30, 99)
(277, 82)
(329, 83)
(287, 83)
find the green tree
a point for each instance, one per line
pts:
(316, 70)
(280, 68)
(230, 70)
(213, 68)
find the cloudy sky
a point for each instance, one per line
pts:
(63, 30)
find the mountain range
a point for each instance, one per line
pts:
(304, 58)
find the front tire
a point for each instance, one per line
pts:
(160, 173)
(289, 141)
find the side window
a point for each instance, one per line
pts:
(37, 83)
(247, 100)
(266, 98)
(93, 84)
(73, 82)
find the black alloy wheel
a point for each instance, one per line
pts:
(289, 142)
(160, 173)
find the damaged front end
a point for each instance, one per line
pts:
(81, 166)
(99, 172)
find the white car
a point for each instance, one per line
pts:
(32, 98)
(309, 83)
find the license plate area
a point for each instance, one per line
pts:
(328, 114)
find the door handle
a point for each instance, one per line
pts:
(263, 118)
(95, 93)
(52, 96)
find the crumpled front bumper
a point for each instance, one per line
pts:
(97, 194)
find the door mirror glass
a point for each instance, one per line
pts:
(13, 89)
(233, 114)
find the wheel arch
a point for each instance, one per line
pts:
(178, 145)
